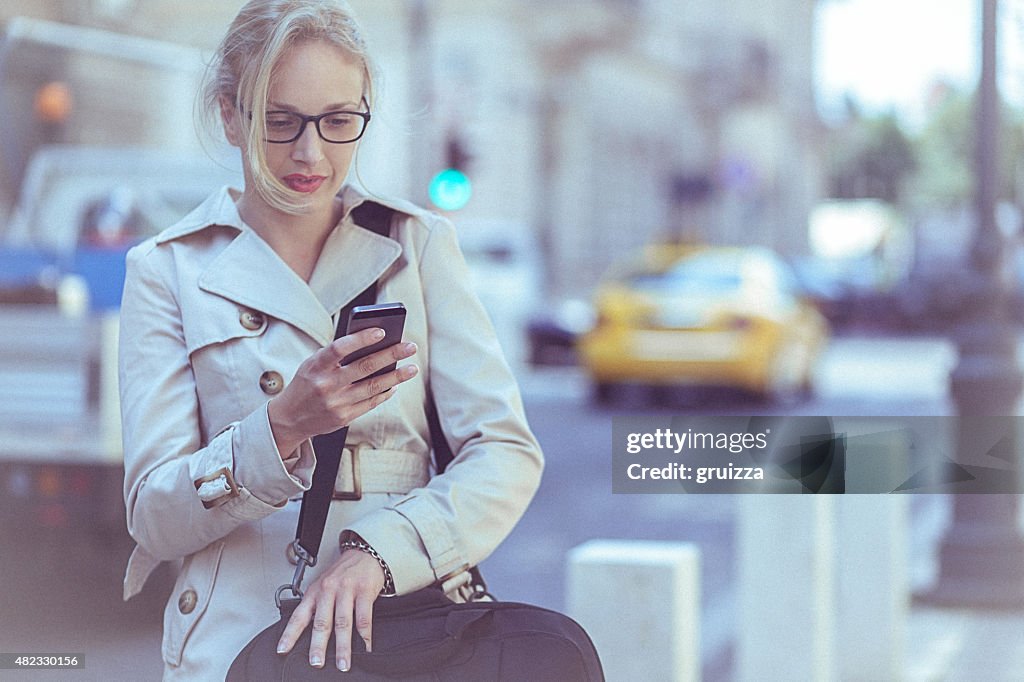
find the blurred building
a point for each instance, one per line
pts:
(104, 72)
(594, 126)
(192, 22)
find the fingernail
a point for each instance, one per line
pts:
(410, 370)
(281, 648)
(316, 661)
(378, 334)
(410, 347)
(342, 665)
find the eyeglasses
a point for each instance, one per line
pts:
(336, 127)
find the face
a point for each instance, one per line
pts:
(311, 78)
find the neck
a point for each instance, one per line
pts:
(297, 239)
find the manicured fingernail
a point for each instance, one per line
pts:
(316, 661)
(410, 347)
(343, 665)
(281, 648)
(410, 370)
(378, 334)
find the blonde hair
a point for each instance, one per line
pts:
(245, 61)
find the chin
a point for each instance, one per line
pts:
(305, 204)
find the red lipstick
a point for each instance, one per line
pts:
(304, 183)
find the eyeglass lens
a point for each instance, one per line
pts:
(339, 126)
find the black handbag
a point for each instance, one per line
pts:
(423, 635)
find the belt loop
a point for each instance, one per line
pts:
(357, 482)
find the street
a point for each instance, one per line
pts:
(72, 607)
(631, 183)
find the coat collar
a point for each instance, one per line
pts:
(249, 272)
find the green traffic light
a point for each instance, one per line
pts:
(450, 190)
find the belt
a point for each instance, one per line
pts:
(367, 470)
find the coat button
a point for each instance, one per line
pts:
(271, 382)
(187, 601)
(252, 320)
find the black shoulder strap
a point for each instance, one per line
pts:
(316, 501)
(377, 217)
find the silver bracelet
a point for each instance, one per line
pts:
(389, 581)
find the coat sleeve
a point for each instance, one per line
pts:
(180, 493)
(461, 516)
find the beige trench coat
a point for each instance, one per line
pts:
(213, 323)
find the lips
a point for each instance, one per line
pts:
(304, 183)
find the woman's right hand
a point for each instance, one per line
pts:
(324, 395)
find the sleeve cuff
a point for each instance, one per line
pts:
(435, 535)
(397, 541)
(258, 465)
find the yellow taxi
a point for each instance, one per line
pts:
(703, 316)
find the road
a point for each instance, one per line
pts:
(52, 604)
(857, 377)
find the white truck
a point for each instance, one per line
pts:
(61, 274)
(82, 200)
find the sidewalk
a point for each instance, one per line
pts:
(960, 645)
(940, 645)
(956, 644)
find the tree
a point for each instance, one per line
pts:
(870, 158)
(945, 153)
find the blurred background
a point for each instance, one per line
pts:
(775, 207)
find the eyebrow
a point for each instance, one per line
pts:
(338, 106)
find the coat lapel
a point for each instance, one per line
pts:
(251, 273)
(352, 259)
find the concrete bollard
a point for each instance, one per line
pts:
(640, 603)
(786, 595)
(873, 551)
(874, 595)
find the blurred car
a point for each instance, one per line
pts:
(704, 316)
(857, 294)
(552, 332)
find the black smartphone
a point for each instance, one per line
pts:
(388, 316)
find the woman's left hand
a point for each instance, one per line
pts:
(341, 596)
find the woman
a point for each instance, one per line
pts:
(228, 368)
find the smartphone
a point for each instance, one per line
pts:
(388, 316)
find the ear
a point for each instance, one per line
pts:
(229, 117)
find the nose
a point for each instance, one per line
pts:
(308, 149)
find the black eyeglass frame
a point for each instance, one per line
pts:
(365, 115)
